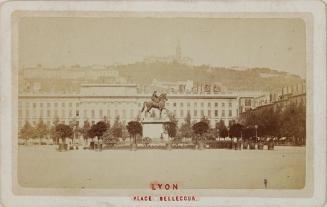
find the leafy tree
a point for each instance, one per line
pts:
(248, 132)
(134, 128)
(200, 128)
(85, 129)
(56, 121)
(293, 122)
(27, 131)
(172, 118)
(117, 128)
(289, 121)
(41, 130)
(222, 129)
(98, 129)
(53, 134)
(63, 131)
(301, 122)
(236, 130)
(205, 119)
(171, 128)
(186, 128)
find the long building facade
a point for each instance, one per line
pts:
(97, 102)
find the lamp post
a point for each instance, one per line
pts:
(256, 131)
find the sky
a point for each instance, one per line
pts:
(55, 41)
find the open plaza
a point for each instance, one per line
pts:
(43, 166)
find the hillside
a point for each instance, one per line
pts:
(248, 79)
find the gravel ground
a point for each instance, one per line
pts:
(43, 166)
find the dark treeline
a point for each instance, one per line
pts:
(289, 122)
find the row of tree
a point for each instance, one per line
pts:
(72, 130)
(287, 121)
(278, 122)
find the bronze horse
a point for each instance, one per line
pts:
(160, 105)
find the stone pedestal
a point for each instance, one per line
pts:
(154, 128)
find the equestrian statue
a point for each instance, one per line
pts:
(157, 102)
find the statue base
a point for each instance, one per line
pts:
(155, 129)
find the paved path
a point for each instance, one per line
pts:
(43, 166)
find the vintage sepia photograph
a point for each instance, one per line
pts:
(163, 103)
(129, 101)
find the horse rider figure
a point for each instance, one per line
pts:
(157, 102)
(155, 97)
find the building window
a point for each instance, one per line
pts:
(70, 113)
(202, 113)
(174, 104)
(216, 113)
(188, 104)
(48, 104)
(209, 113)
(77, 104)
(63, 113)
(48, 113)
(124, 114)
(56, 104)
(202, 104)
(230, 104)
(182, 113)
(216, 104)
(56, 113)
(41, 113)
(100, 113)
(195, 104)
(92, 114)
(70, 104)
(63, 104)
(131, 113)
(223, 113)
(230, 113)
(209, 104)
(223, 104)
(181, 104)
(195, 113)
(34, 105)
(247, 102)
(77, 112)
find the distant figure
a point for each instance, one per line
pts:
(155, 97)
(265, 182)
